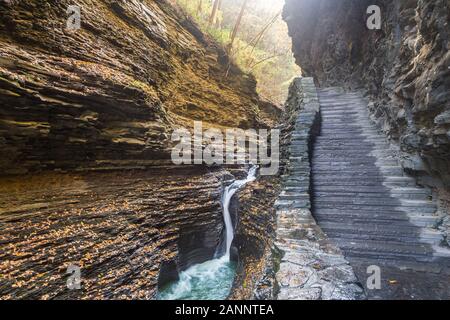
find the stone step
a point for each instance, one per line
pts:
(293, 195)
(374, 205)
(349, 156)
(292, 204)
(375, 179)
(382, 232)
(367, 190)
(361, 148)
(354, 162)
(354, 182)
(387, 201)
(340, 102)
(385, 217)
(345, 131)
(358, 171)
(394, 170)
(378, 255)
(346, 157)
(386, 249)
(413, 239)
(380, 195)
(354, 138)
(424, 267)
(304, 189)
(341, 107)
(321, 139)
(356, 145)
(373, 208)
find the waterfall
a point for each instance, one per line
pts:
(226, 199)
(211, 280)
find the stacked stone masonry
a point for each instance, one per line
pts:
(310, 267)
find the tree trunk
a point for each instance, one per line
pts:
(218, 22)
(238, 23)
(212, 18)
(199, 8)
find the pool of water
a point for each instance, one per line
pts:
(211, 280)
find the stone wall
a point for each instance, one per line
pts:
(308, 266)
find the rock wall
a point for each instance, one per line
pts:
(110, 93)
(404, 67)
(126, 231)
(254, 238)
(108, 96)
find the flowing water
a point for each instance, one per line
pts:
(211, 280)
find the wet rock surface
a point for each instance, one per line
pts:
(404, 68)
(125, 230)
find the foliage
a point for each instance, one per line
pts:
(262, 46)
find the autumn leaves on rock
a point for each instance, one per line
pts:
(109, 94)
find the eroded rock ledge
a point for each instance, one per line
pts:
(120, 228)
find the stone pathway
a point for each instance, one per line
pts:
(310, 267)
(370, 209)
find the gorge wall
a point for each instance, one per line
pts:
(110, 93)
(108, 96)
(404, 67)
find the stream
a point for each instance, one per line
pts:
(211, 280)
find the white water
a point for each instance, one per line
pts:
(226, 199)
(212, 279)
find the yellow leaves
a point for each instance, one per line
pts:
(19, 284)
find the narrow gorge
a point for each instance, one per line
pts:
(85, 129)
(92, 120)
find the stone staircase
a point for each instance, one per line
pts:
(371, 209)
(309, 266)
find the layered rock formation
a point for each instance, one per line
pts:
(404, 66)
(254, 238)
(110, 93)
(108, 96)
(126, 231)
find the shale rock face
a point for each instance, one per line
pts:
(110, 93)
(254, 239)
(405, 68)
(126, 231)
(108, 96)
